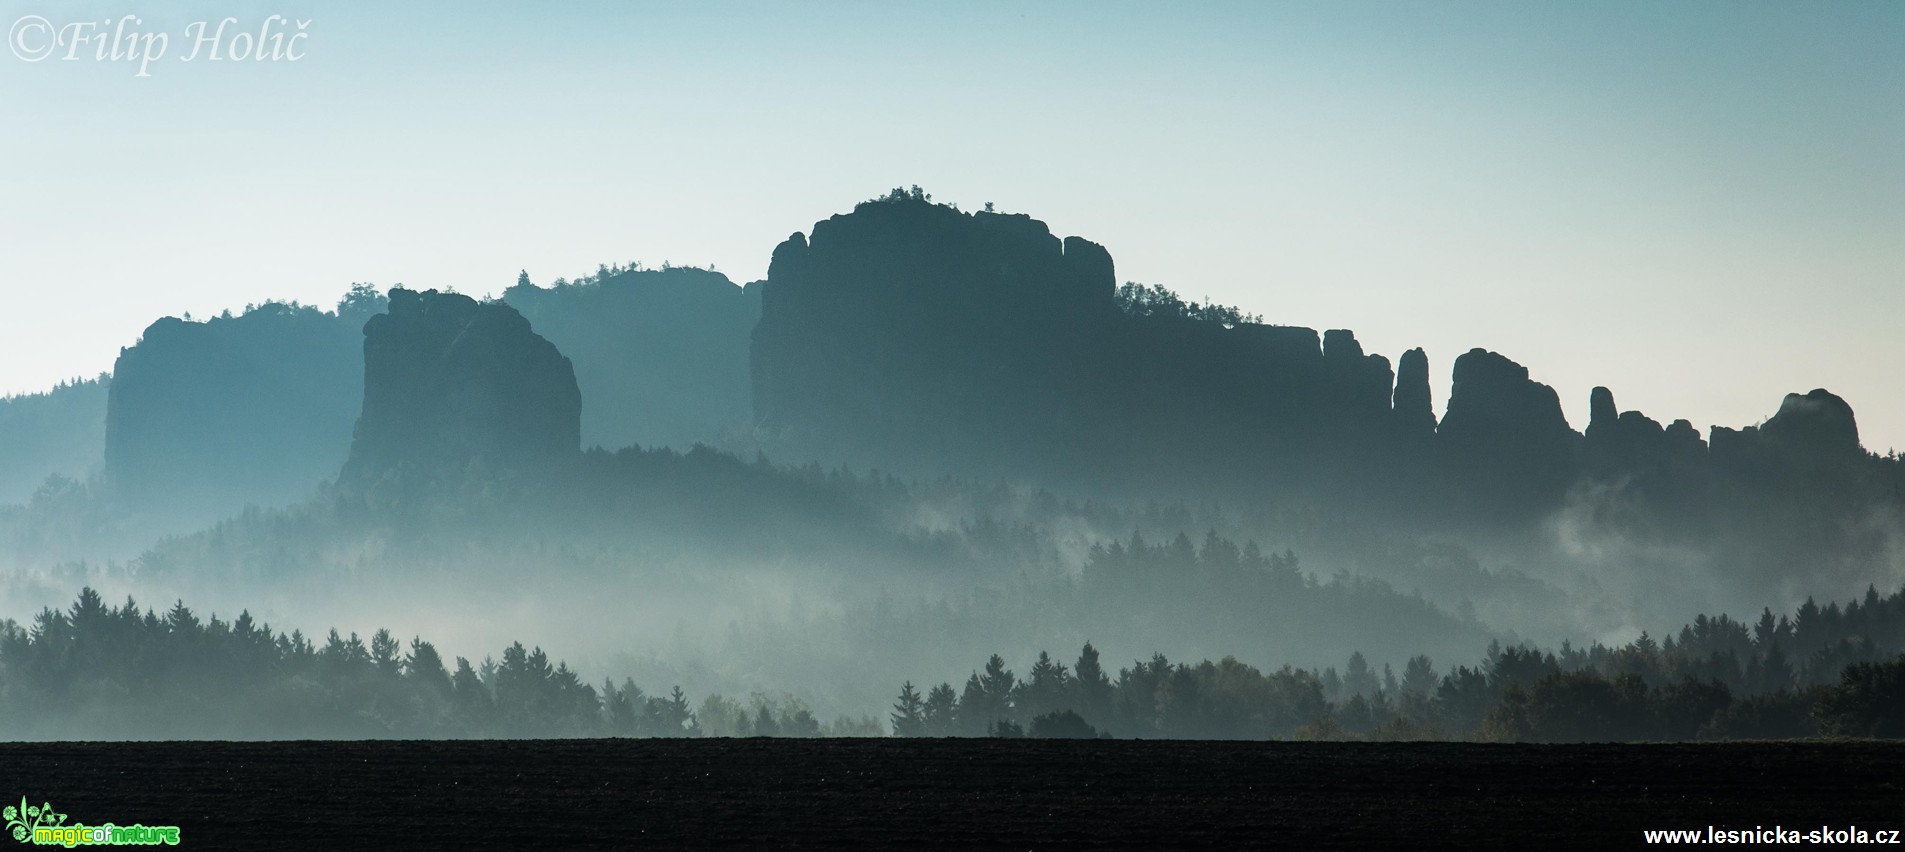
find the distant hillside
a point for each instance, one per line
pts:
(660, 354)
(59, 432)
(259, 407)
(251, 408)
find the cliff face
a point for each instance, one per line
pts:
(660, 355)
(449, 380)
(1414, 407)
(914, 336)
(1815, 424)
(907, 325)
(1811, 442)
(258, 408)
(254, 408)
(1504, 435)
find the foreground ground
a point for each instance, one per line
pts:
(888, 793)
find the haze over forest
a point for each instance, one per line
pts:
(928, 436)
(1334, 370)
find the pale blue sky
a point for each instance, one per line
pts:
(1700, 205)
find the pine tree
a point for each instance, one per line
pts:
(975, 709)
(764, 724)
(628, 712)
(908, 713)
(681, 717)
(384, 653)
(1050, 688)
(1357, 678)
(1418, 677)
(424, 666)
(1094, 688)
(617, 713)
(1001, 690)
(940, 712)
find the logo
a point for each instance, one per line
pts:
(40, 825)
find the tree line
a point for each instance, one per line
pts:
(1158, 301)
(95, 671)
(1831, 671)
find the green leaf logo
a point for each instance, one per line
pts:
(24, 818)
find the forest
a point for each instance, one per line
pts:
(1823, 671)
(96, 671)
(106, 671)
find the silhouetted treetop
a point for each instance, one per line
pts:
(1139, 300)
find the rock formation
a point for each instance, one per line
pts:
(911, 335)
(1818, 423)
(1601, 412)
(1505, 435)
(908, 326)
(922, 339)
(1414, 408)
(254, 408)
(449, 381)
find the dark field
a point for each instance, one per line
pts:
(887, 793)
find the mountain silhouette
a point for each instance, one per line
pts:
(450, 382)
(912, 336)
(920, 339)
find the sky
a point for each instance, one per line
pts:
(1700, 205)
